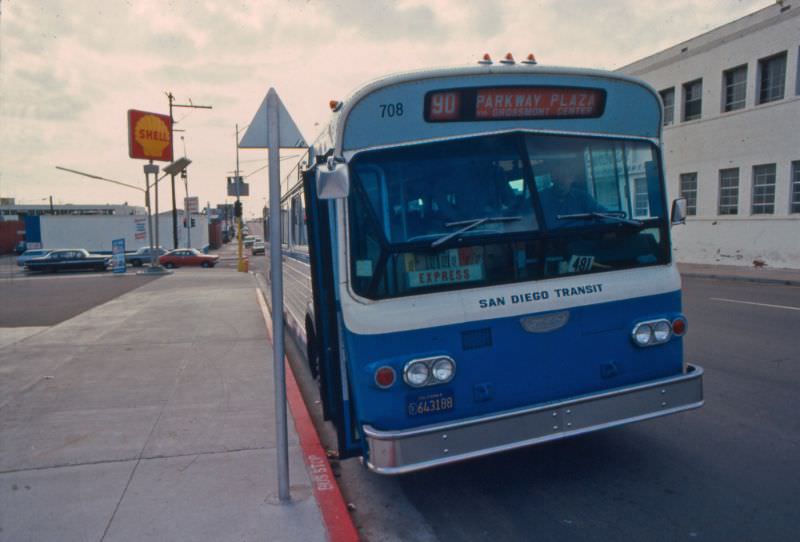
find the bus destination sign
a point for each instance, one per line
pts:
(513, 103)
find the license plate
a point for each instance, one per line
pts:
(430, 403)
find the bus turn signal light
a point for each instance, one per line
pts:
(384, 377)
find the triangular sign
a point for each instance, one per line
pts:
(257, 134)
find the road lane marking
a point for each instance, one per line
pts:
(757, 304)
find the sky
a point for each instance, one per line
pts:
(71, 69)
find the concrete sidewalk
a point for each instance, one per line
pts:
(766, 275)
(150, 417)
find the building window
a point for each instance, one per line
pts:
(764, 189)
(668, 97)
(735, 87)
(772, 78)
(692, 99)
(729, 191)
(688, 190)
(795, 199)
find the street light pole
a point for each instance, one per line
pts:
(240, 262)
(171, 99)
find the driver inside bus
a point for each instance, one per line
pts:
(567, 195)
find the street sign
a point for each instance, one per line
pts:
(118, 256)
(192, 204)
(243, 189)
(258, 136)
(149, 136)
(272, 127)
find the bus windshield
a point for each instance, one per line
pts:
(502, 208)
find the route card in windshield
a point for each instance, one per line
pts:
(448, 267)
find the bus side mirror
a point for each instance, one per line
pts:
(333, 180)
(678, 214)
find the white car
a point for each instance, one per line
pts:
(257, 248)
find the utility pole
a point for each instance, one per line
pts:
(190, 105)
(188, 217)
(240, 263)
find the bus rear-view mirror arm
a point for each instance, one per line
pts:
(678, 214)
(333, 180)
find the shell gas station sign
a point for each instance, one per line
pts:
(149, 136)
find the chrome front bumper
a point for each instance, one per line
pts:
(397, 452)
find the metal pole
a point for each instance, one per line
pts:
(276, 280)
(185, 175)
(155, 187)
(174, 215)
(150, 168)
(171, 98)
(239, 262)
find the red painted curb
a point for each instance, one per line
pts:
(336, 517)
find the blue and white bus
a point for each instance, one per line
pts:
(480, 260)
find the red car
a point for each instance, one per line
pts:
(187, 256)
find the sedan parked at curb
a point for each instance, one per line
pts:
(31, 254)
(76, 259)
(183, 257)
(142, 256)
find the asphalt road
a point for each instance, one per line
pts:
(46, 300)
(728, 471)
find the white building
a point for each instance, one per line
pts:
(96, 232)
(732, 138)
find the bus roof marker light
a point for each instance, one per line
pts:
(508, 59)
(530, 59)
(486, 59)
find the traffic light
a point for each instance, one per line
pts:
(193, 223)
(237, 209)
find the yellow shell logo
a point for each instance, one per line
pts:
(152, 134)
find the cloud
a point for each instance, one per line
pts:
(70, 70)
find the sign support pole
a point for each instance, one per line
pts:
(148, 169)
(155, 188)
(270, 121)
(276, 283)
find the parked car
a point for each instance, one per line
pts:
(257, 248)
(187, 256)
(74, 259)
(142, 256)
(249, 240)
(31, 254)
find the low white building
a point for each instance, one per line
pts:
(732, 138)
(96, 232)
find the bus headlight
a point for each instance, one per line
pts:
(443, 370)
(661, 331)
(429, 371)
(416, 373)
(652, 333)
(643, 334)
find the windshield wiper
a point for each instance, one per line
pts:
(471, 224)
(619, 217)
